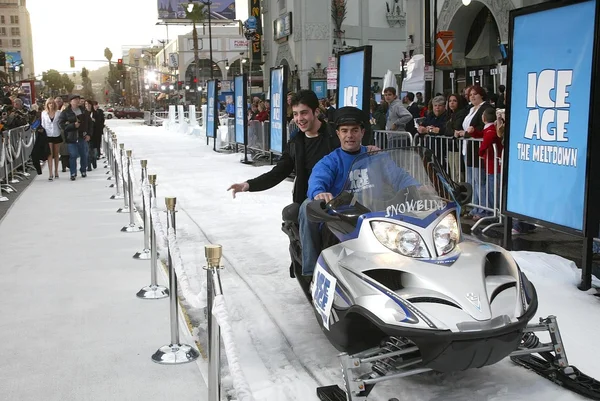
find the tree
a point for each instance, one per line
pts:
(88, 92)
(53, 81)
(198, 14)
(108, 54)
(67, 83)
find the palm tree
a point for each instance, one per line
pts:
(197, 13)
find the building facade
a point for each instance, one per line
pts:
(16, 39)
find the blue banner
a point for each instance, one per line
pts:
(351, 80)
(240, 109)
(277, 112)
(211, 126)
(320, 88)
(549, 114)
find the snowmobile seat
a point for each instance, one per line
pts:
(290, 213)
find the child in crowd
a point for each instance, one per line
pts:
(486, 151)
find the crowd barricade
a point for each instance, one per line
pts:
(159, 117)
(158, 235)
(15, 152)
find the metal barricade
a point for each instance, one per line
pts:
(392, 139)
(147, 117)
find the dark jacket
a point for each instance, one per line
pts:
(455, 123)
(67, 120)
(292, 160)
(98, 128)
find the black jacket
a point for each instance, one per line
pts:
(292, 160)
(67, 120)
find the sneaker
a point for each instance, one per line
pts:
(83, 175)
(73, 178)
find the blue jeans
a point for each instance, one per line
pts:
(81, 150)
(490, 191)
(476, 177)
(310, 238)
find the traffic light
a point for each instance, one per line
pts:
(195, 80)
(2, 59)
(72, 61)
(120, 64)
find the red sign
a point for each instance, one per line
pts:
(444, 44)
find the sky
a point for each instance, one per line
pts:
(108, 23)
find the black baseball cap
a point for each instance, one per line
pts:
(349, 116)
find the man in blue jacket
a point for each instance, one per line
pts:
(329, 176)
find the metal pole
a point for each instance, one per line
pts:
(153, 291)
(25, 173)
(145, 253)
(109, 152)
(213, 255)
(132, 227)
(125, 208)
(175, 352)
(112, 150)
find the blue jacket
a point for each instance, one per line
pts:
(370, 173)
(330, 173)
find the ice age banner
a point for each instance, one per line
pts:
(211, 109)
(278, 89)
(354, 77)
(241, 109)
(549, 114)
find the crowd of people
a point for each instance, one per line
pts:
(65, 132)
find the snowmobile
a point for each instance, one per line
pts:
(400, 291)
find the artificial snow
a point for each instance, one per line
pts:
(283, 353)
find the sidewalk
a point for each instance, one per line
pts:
(71, 327)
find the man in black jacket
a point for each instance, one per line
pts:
(302, 152)
(77, 129)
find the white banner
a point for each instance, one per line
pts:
(238, 44)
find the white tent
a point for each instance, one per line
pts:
(414, 80)
(389, 81)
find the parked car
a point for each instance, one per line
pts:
(129, 112)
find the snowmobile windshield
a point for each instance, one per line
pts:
(395, 183)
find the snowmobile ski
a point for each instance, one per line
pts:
(570, 377)
(331, 393)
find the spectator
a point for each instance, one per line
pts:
(263, 113)
(49, 121)
(420, 100)
(435, 121)
(412, 106)
(456, 112)
(486, 151)
(76, 127)
(398, 117)
(473, 128)
(501, 103)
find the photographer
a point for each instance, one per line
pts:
(76, 126)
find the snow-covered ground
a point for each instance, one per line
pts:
(283, 353)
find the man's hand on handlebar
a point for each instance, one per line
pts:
(235, 188)
(326, 196)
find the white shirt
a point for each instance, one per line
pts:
(467, 123)
(51, 126)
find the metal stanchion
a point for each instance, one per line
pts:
(132, 227)
(113, 174)
(115, 169)
(110, 157)
(174, 353)
(145, 253)
(23, 161)
(153, 291)
(125, 208)
(213, 255)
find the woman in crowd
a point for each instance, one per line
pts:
(50, 123)
(473, 128)
(89, 114)
(263, 113)
(457, 111)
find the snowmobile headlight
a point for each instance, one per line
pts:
(445, 235)
(400, 239)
